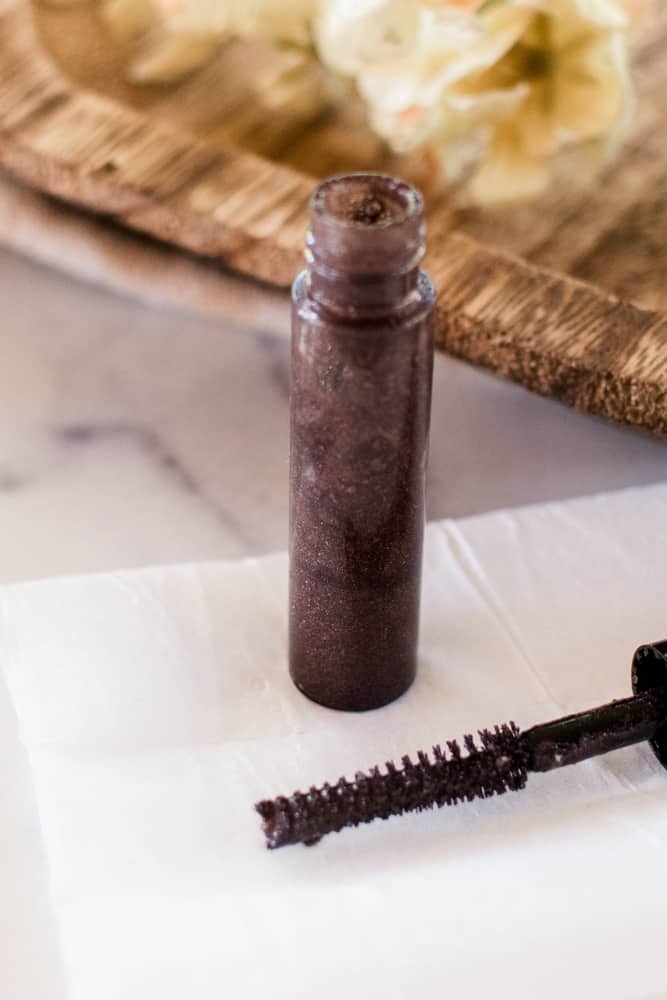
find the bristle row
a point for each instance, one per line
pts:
(497, 766)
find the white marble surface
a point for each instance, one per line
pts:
(132, 434)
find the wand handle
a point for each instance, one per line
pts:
(596, 731)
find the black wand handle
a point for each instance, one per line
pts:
(588, 734)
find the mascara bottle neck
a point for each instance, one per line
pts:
(365, 245)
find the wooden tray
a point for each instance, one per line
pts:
(566, 295)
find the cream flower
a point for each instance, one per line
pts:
(533, 76)
(504, 83)
(353, 36)
(575, 65)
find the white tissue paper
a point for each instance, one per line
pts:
(143, 713)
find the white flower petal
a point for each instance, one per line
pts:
(446, 29)
(604, 13)
(490, 105)
(503, 28)
(349, 36)
(591, 91)
(508, 175)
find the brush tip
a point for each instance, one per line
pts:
(269, 814)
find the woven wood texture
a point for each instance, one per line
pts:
(566, 295)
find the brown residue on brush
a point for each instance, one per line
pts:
(444, 779)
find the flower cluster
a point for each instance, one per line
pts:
(502, 84)
(495, 87)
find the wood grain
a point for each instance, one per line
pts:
(218, 177)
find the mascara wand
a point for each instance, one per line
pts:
(501, 763)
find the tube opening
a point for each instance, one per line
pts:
(366, 201)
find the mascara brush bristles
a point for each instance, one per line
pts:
(499, 765)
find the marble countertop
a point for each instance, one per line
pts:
(133, 434)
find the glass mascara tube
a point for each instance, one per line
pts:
(362, 365)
